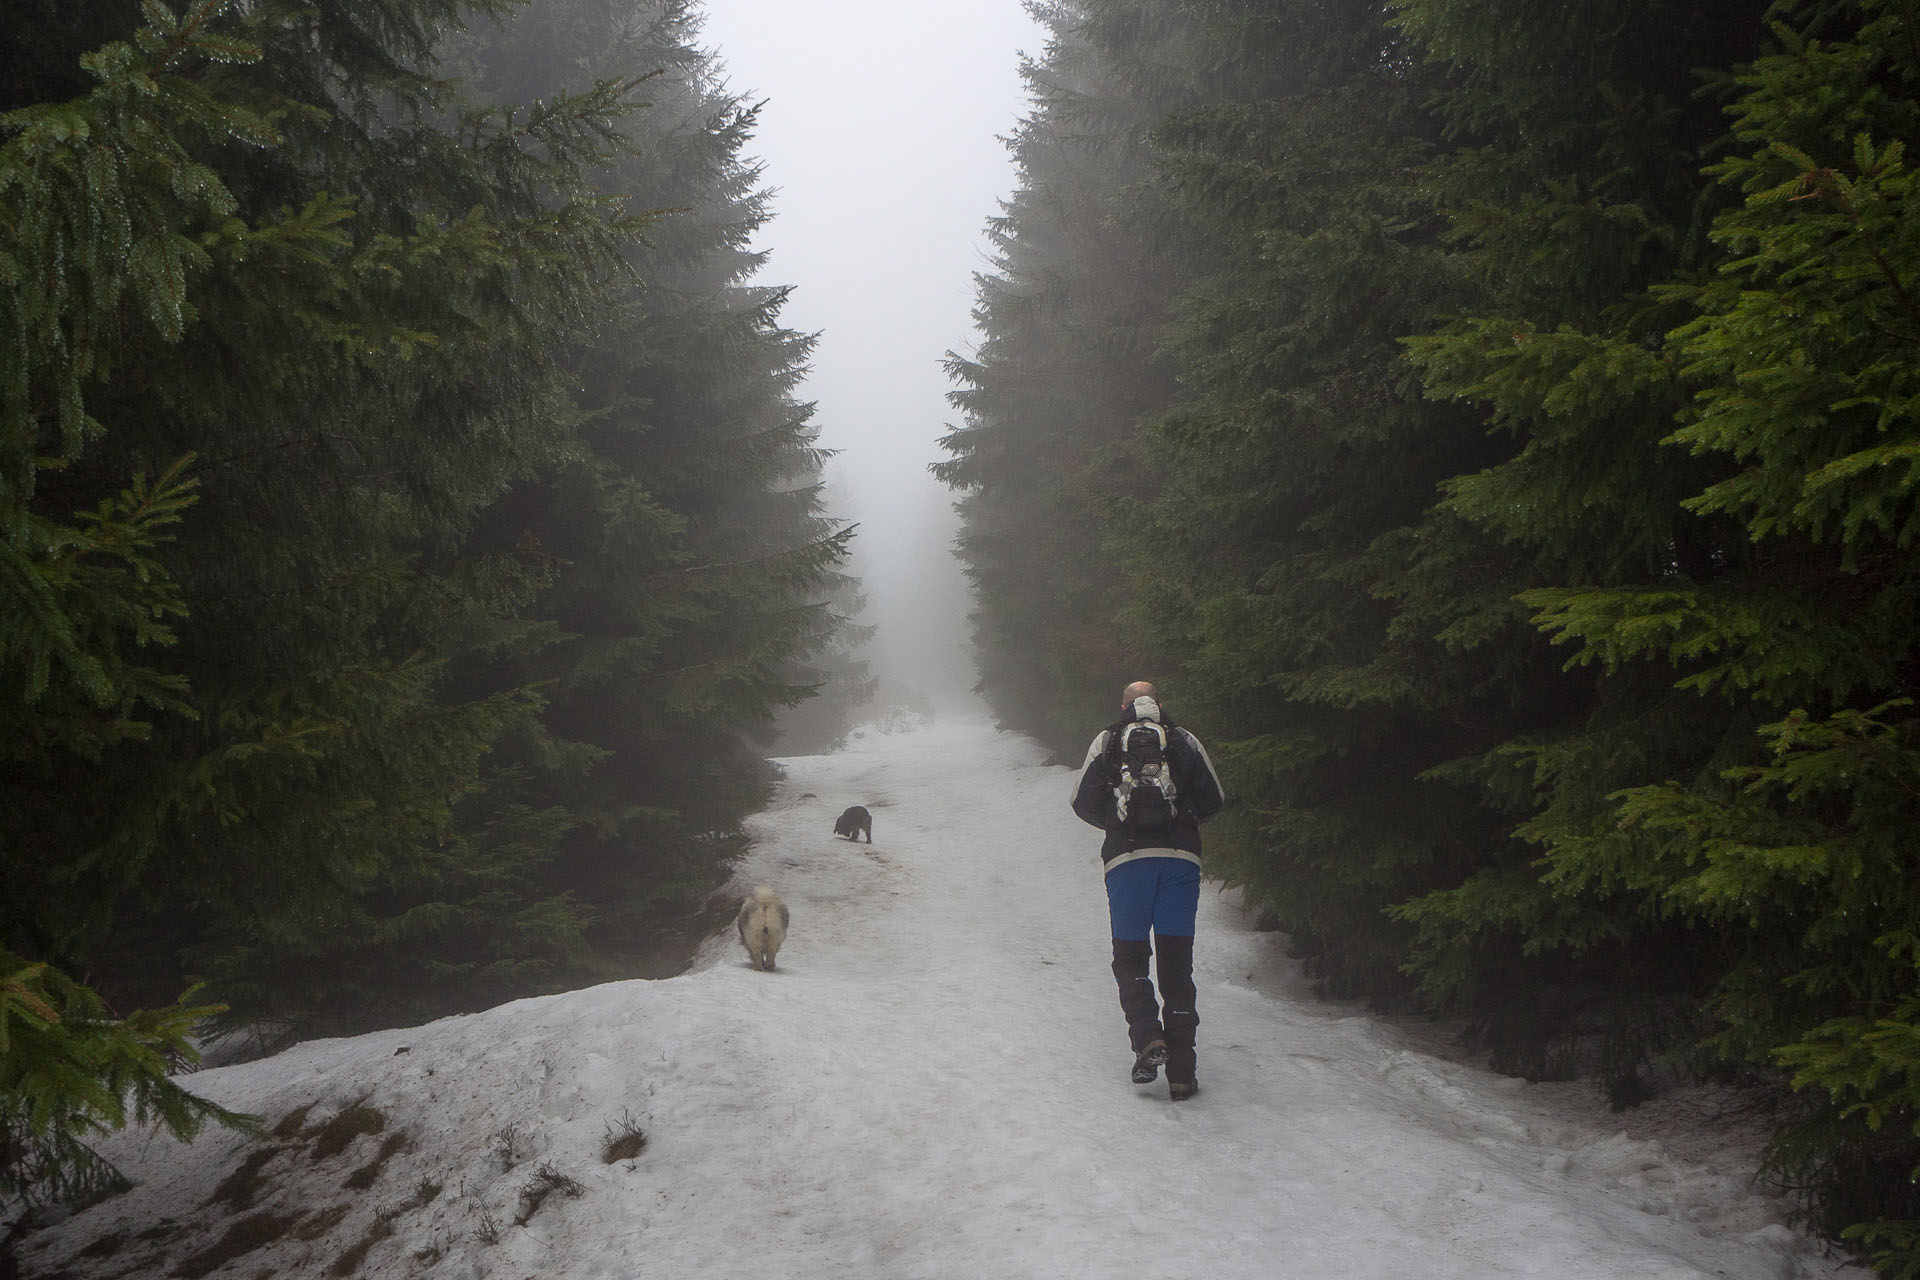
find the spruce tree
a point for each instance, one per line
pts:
(346, 285)
(839, 676)
(1573, 191)
(1788, 643)
(1065, 371)
(102, 206)
(692, 565)
(1299, 443)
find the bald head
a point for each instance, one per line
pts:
(1138, 689)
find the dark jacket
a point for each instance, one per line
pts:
(1198, 788)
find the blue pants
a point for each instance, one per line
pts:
(1161, 893)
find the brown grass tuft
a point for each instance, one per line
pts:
(242, 1187)
(315, 1225)
(625, 1147)
(368, 1174)
(106, 1246)
(623, 1140)
(336, 1134)
(291, 1123)
(253, 1232)
(349, 1262)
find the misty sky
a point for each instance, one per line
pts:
(880, 134)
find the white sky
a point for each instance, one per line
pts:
(932, 1085)
(880, 134)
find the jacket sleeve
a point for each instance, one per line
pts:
(1200, 787)
(1093, 797)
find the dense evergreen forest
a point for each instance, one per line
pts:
(412, 528)
(1494, 425)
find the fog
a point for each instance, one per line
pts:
(880, 136)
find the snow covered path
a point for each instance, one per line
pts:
(934, 1084)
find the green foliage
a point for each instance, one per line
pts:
(837, 675)
(1800, 339)
(1765, 577)
(79, 595)
(1797, 354)
(1065, 370)
(103, 198)
(70, 1071)
(374, 258)
(1894, 1247)
(691, 564)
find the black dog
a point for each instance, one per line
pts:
(854, 822)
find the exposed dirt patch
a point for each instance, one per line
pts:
(624, 1147)
(241, 1189)
(106, 1246)
(337, 1134)
(368, 1174)
(256, 1231)
(252, 1209)
(315, 1225)
(349, 1262)
(292, 1122)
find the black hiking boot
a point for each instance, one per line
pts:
(1181, 1090)
(1147, 1062)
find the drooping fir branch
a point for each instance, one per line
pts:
(69, 1070)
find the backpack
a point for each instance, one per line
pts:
(1143, 790)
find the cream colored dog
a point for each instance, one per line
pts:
(763, 926)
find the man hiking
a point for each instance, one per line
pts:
(1149, 785)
